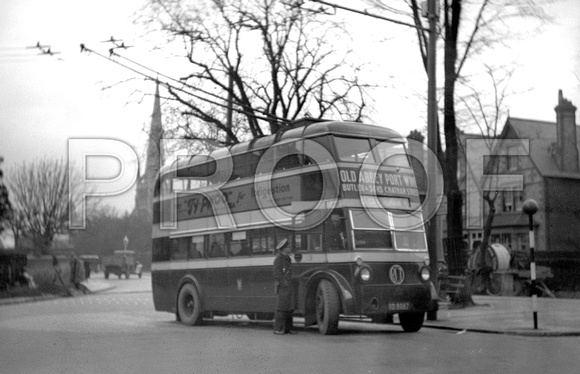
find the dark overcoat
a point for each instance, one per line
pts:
(283, 283)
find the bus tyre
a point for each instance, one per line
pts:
(327, 307)
(188, 305)
(412, 322)
(106, 275)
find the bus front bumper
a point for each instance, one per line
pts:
(391, 299)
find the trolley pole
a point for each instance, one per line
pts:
(530, 207)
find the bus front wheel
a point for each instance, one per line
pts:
(411, 322)
(327, 307)
(188, 305)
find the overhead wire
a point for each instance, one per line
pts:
(242, 108)
(200, 89)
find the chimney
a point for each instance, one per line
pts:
(566, 135)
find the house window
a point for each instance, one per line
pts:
(513, 162)
(521, 242)
(508, 201)
(518, 200)
(506, 240)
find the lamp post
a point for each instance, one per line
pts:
(530, 207)
(125, 242)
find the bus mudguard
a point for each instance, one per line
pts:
(189, 279)
(308, 285)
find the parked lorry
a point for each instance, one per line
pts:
(122, 262)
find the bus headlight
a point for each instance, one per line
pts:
(425, 273)
(365, 274)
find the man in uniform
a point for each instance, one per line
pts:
(284, 290)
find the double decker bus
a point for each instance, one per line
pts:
(342, 193)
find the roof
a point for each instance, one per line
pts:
(308, 130)
(541, 135)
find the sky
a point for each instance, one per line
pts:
(47, 100)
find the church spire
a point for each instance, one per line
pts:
(146, 182)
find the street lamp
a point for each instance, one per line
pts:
(125, 242)
(530, 207)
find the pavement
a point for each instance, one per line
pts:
(93, 286)
(493, 315)
(512, 316)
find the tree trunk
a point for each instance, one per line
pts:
(454, 194)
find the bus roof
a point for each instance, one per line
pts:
(307, 130)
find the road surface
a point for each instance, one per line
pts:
(119, 332)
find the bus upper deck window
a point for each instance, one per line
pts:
(317, 151)
(392, 154)
(351, 149)
(244, 165)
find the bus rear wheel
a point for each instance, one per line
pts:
(327, 307)
(188, 305)
(411, 322)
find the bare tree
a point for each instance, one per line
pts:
(39, 193)
(485, 111)
(5, 208)
(255, 65)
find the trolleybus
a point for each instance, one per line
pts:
(343, 194)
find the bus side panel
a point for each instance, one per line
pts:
(164, 291)
(251, 291)
(216, 290)
(261, 297)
